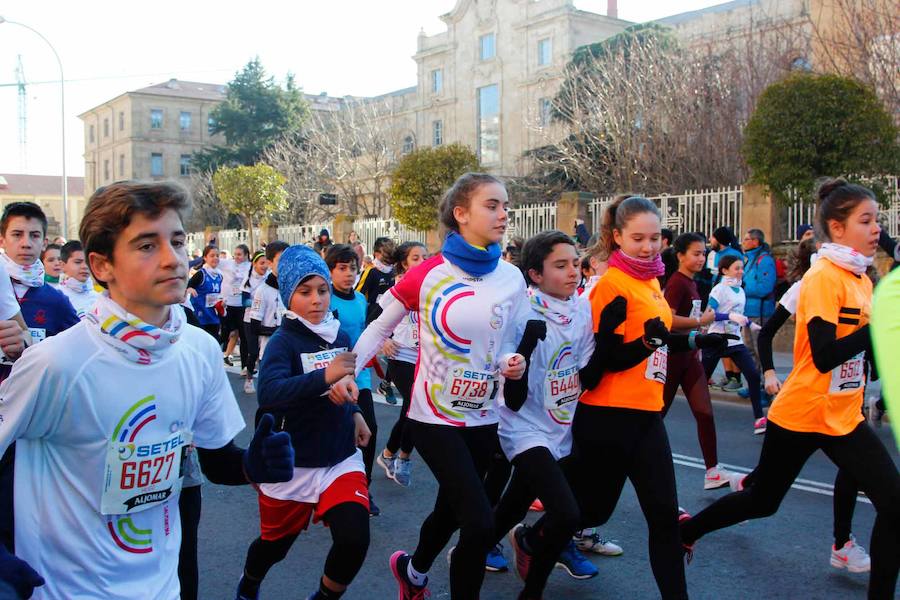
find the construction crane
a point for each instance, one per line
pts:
(23, 115)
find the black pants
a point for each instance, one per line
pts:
(234, 321)
(458, 457)
(7, 503)
(783, 455)
(615, 444)
(189, 508)
(741, 357)
(252, 349)
(349, 527)
(537, 474)
(367, 407)
(403, 375)
(498, 474)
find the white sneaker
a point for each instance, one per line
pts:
(736, 481)
(590, 541)
(852, 557)
(716, 478)
(248, 387)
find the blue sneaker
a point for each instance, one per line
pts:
(495, 561)
(388, 464)
(402, 468)
(743, 392)
(575, 563)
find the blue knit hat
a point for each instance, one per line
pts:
(296, 264)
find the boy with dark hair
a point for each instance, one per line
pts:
(77, 284)
(266, 310)
(350, 308)
(377, 279)
(52, 265)
(104, 412)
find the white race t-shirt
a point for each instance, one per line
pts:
(9, 306)
(466, 329)
(552, 378)
(729, 300)
(406, 334)
(267, 307)
(234, 275)
(82, 302)
(64, 403)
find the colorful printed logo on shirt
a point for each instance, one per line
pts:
(128, 537)
(438, 302)
(564, 414)
(135, 418)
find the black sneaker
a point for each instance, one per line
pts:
(228, 361)
(374, 511)
(387, 390)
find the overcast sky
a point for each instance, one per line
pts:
(355, 47)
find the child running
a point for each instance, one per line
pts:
(402, 350)
(618, 431)
(684, 369)
(267, 309)
(103, 411)
(205, 288)
(259, 270)
(53, 267)
(77, 285)
(819, 406)
(727, 299)
(466, 298)
(305, 357)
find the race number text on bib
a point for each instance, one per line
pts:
(211, 300)
(38, 334)
(469, 389)
(140, 476)
(313, 361)
(657, 363)
(848, 376)
(561, 386)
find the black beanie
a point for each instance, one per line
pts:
(724, 236)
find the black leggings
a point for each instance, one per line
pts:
(537, 474)
(367, 408)
(349, 527)
(403, 374)
(458, 457)
(783, 455)
(213, 330)
(252, 349)
(497, 476)
(615, 444)
(189, 504)
(741, 357)
(684, 369)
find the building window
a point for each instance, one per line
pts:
(121, 120)
(184, 165)
(184, 121)
(437, 133)
(106, 170)
(544, 110)
(545, 52)
(489, 124)
(210, 125)
(437, 81)
(156, 164)
(106, 128)
(409, 144)
(156, 118)
(487, 46)
(122, 166)
(91, 134)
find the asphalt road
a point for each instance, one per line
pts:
(785, 556)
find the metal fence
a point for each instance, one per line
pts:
(693, 210)
(804, 212)
(369, 230)
(226, 239)
(525, 221)
(302, 234)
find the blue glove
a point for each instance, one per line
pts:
(18, 574)
(269, 457)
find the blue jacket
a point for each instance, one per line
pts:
(322, 433)
(351, 312)
(759, 282)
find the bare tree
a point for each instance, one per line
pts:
(291, 157)
(207, 210)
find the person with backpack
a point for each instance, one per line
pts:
(760, 275)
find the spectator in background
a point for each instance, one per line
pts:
(323, 243)
(805, 232)
(358, 246)
(759, 286)
(582, 235)
(513, 250)
(667, 254)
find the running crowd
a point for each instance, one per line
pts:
(535, 376)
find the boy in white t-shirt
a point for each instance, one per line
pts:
(77, 284)
(104, 412)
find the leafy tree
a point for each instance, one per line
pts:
(255, 113)
(421, 177)
(809, 126)
(254, 192)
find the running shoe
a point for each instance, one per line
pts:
(248, 387)
(575, 563)
(402, 468)
(244, 372)
(736, 481)
(408, 591)
(387, 390)
(537, 505)
(683, 516)
(227, 360)
(523, 558)
(759, 425)
(590, 541)
(248, 593)
(495, 561)
(388, 464)
(852, 557)
(717, 385)
(732, 385)
(374, 511)
(716, 478)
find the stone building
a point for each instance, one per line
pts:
(46, 192)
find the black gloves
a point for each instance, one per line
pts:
(713, 340)
(535, 331)
(613, 315)
(656, 334)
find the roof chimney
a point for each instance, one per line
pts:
(612, 9)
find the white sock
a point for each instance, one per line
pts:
(416, 578)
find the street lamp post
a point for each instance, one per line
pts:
(62, 102)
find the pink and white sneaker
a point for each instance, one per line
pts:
(852, 557)
(716, 478)
(408, 591)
